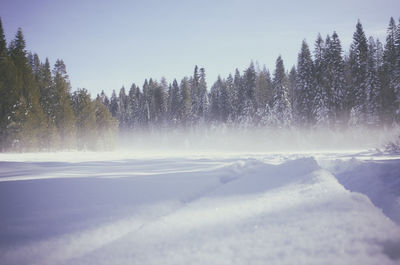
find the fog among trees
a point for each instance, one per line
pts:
(328, 88)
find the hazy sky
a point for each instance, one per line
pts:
(108, 44)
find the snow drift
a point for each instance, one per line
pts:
(278, 209)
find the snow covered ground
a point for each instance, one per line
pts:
(208, 208)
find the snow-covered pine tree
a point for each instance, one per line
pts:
(203, 96)
(292, 84)
(334, 80)
(238, 95)
(397, 74)
(123, 108)
(215, 106)
(304, 92)
(358, 67)
(263, 93)
(114, 105)
(186, 103)
(373, 89)
(281, 108)
(249, 88)
(230, 91)
(174, 104)
(195, 94)
(321, 109)
(388, 81)
(104, 99)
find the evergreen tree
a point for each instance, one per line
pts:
(123, 109)
(358, 70)
(30, 126)
(292, 85)
(186, 103)
(333, 80)
(85, 120)
(195, 93)
(304, 90)
(9, 96)
(230, 95)
(47, 91)
(238, 95)
(263, 88)
(281, 108)
(104, 99)
(249, 87)
(114, 105)
(215, 106)
(388, 81)
(174, 103)
(320, 103)
(396, 77)
(106, 126)
(373, 89)
(62, 105)
(203, 95)
(133, 106)
(158, 103)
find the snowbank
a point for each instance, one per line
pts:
(231, 210)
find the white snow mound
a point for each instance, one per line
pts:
(188, 211)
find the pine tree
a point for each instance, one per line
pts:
(186, 103)
(263, 88)
(158, 103)
(195, 94)
(203, 95)
(238, 95)
(8, 96)
(62, 105)
(215, 106)
(249, 87)
(304, 90)
(114, 105)
(230, 95)
(31, 125)
(358, 70)
(106, 126)
(47, 91)
(174, 103)
(321, 111)
(396, 77)
(85, 120)
(123, 107)
(373, 89)
(387, 81)
(281, 108)
(292, 85)
(133, 106)
(333, 80)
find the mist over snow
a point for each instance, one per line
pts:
(225, 139)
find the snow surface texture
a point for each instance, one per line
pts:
(87, 208)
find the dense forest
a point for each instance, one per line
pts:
(328, 88)
(38, 110)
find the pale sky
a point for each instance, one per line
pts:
(110, 44)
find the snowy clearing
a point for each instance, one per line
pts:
(120, 208)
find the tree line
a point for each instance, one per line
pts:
(327, 88)
(38, 111)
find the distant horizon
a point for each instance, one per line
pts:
(139, 41)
